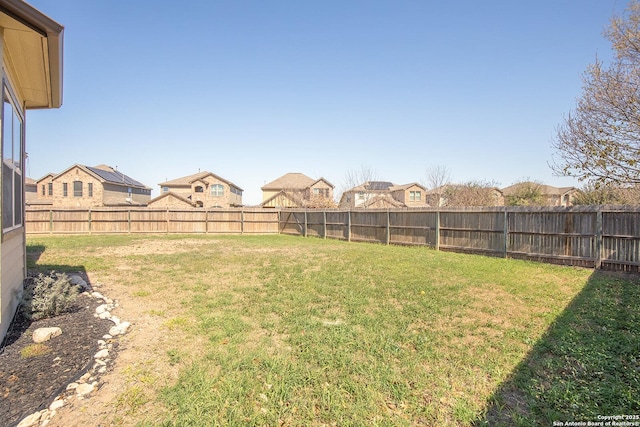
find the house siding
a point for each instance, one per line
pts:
(12, 270)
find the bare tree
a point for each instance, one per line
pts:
(600, 140)
(356, 177)
(436, 177)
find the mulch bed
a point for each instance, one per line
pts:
(29, 384)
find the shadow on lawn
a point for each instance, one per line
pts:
(586, 365)
(21, 323)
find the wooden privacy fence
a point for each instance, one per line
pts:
(599, 237)
(149, 220)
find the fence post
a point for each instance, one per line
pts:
(241, 221)
(89, 220)
(506, 232)
(324, 225)
(50, 221)
(278, 218)
(349, 225)
(437, 243)
(599, 233)
(388, 237)
(129, 219)
(305, 223)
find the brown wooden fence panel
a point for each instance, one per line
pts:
(336, 225)
(70, 221)
(148, 221)
(292, 222)
(559, 235)
(259, 221)
(106, 220)
(607, 237)
(369, 226)
(316, 224)
(621, 240)
(581, 236)
(413, 228)
(38, 221)
(478, 232)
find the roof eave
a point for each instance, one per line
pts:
(53, 47)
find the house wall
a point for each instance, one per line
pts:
(406, 196)
(208, 200)
(12, 246)
(118, 194)
(12, 268)
(30, 193)
(326, 191)
(58, 198)
(267, 194)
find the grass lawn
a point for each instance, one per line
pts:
(281, 330)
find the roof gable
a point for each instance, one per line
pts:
(172, 195)
(290, 181)
(187, 181)
(321, 179)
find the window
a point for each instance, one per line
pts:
(199, 189)
(50, 188)
(65, 189)
(415, 196)
(43, 190)
(77, 188)
(360, 196)
(321, 192)
(217, 190)
(90, 189)
(165, 189)
(12, 139)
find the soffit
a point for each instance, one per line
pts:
(32, 54)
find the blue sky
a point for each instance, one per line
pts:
(253, 89)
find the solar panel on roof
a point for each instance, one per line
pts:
(115, 177)
(379, 185)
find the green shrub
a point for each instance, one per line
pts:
(48, 296)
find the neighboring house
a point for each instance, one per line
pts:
(296, 190)
(470, 194)
(526, 193)
(91, 186)
(383, 194)
(202, 190)
(30, 190)
(31, 57)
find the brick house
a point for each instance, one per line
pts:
(91, 186)
(296, 190)
(31, 55)
(203, 190)
(383, 194)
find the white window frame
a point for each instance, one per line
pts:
(16, 172)
(217, 190)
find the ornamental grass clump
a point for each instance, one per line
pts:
(48, 295)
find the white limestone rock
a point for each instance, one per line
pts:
(41, 335)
